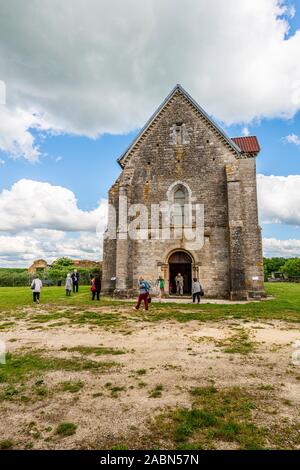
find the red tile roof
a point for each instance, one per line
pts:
(247, 144)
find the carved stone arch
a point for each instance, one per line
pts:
(179, 197)
(180, 261)
(169, 253)
(178, 185)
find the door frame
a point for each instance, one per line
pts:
(192, 263)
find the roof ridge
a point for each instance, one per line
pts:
(243, 136)
(161, 107)
(247, 143)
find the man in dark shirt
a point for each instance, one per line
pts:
(75, 279)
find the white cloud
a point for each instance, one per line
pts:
(33, 204)
(22, 249)
(15, 136)
(39, 220)
(279, 199)
(279, 203)
(245, 131)
(95, 66)
(36, 218)
(281, 248)
(290, 11)
(292, 139)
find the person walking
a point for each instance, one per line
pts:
(96, 287)
(36, 287)
(179, 284)
(196, 290)
(69, 284)
(75, 279)
(93, 286)
(161, 286)
(144, 288)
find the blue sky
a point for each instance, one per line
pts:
(88, 166)
(75, 99)
(277, 157)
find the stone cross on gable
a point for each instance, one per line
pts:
(179, 134)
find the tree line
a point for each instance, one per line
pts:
(54, 275)
(289, 267)
(57, 273)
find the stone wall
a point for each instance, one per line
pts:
(252, 231)
(181, 146)
(39, 264)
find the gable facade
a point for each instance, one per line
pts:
(182, 155)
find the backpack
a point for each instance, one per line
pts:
(147, 286)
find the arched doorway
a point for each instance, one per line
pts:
(180, 262)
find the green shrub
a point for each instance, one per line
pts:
(66, 429)
(273, 265)
(6, 445)
(19, 277)
(14, 278)
(291, 267)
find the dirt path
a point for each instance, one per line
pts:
(176, 356)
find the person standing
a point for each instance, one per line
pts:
(36, 287)
(144, 289)
(179, 284)
(196, 290)
(75, 279)
(69, 284)
(96, 287)
(161, 286)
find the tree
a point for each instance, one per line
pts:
(273, 265)
(60, 263)
(291, 267)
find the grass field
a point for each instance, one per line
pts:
(88, 375)
(285, 305)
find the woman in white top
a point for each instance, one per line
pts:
(69, 284)
(36, 287)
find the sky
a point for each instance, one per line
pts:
(79, 79)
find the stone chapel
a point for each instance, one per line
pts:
(182, 155)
